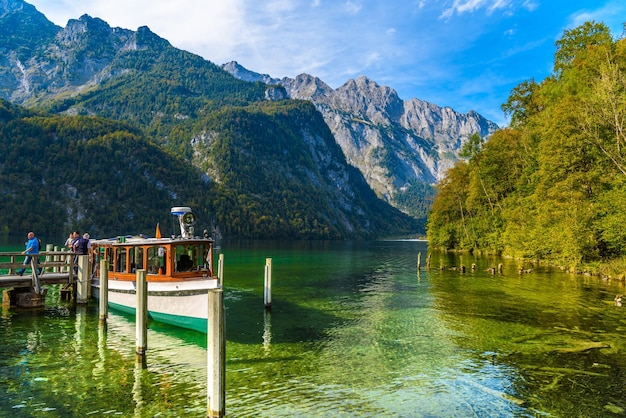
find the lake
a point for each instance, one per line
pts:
(354, 330)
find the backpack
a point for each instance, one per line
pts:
(40, 245)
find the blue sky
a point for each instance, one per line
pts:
(465, 54)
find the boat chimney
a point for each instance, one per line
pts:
(186, 220)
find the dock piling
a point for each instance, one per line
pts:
(82, 281)
(104, 291)
(220, 270)
(141, 313)
(267, 294)
(216, 355)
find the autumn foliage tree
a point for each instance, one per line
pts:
(552, 185)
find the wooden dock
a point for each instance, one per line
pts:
(26, 280)
(57, 267)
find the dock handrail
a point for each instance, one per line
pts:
(49, 261)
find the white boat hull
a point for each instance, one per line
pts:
(184, 304)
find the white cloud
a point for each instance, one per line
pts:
(352, 7)
(469, 6)
(530, 5)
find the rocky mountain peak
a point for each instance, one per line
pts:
(242, 73)
(12, 6)
(79, 32)
(23, 28)
(364, 97)
(307, 87)
(395, 143)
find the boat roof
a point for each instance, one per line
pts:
(143, 240)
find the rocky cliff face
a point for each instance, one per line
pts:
(393, 142)
(58, 60)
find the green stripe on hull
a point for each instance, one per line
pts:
(197, 324)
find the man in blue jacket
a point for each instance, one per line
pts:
(32, 248)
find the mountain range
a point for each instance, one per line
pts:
(286, 167)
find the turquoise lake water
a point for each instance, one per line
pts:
(354, 330)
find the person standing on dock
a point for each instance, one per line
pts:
(32, 248)
(68, 242)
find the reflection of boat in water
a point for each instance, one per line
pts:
(179, 273)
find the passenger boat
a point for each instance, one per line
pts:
(179, 273)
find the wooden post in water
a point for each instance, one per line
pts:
(141, 313)
(220, 270)
(419, 257)
(104, 291)
(216, 355)
(82, 288)
(428, 262)
(267, 294)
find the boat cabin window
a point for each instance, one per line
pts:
(109, 258)
(121, 260)
(136, 259)
(191, 257)
(156, 260)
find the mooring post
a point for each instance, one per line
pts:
(82, 288)
(104, 291)
(216, 355)
(419, 257)
(141, 313)
(267, 294)
(220, 270)
(428, 262)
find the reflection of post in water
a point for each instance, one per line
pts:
(618, 300)
(140, 365)
(267, 331)
(81, 325)
(100, 367)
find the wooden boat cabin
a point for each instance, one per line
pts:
(182, 257)
(164, 259)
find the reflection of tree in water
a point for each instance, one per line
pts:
(558, 335)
